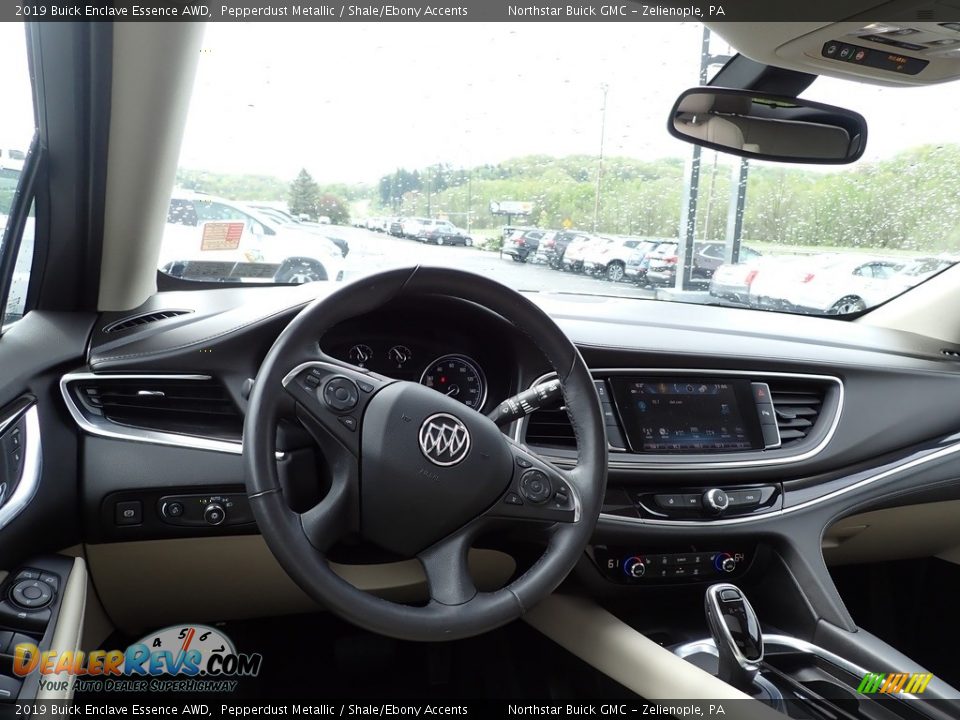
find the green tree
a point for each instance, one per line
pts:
(334, 208)
(304, 195)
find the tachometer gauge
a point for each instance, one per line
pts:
(399, 355)
(360, 355)
(459, 377)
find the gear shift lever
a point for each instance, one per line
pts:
(736, 631)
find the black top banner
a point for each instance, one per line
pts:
(460, 11)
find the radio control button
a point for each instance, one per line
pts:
(715, 500)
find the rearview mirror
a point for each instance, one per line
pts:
(768, 127)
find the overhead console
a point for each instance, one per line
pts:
(700, 419)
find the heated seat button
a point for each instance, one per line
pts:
(535, 486)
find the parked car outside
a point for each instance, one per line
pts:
(447, 235)
(638, 262)
(731, 282)
(572, 260)
(609, 259)
(554, 244)
(211, 238)
(317, 228)
(428, 226)
(522, 244)
(395, 228)
(832, 284)
(712, 255)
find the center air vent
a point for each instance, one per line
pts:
(143, 319)
(797, 407)
(200, 407)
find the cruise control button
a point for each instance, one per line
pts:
(365, 386)
(523, 462)
(513, 499)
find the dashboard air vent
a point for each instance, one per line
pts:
(180, 405)
(952, 354)
(797, 407)
(144, 319)
(550, 428)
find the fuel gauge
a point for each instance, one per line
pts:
(400, 355)
(360, 355)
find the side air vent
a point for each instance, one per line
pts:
(550, 428)
(200, 407)
(797, 407)
(144, 319)
(952, 354)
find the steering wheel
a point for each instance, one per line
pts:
(416, 472)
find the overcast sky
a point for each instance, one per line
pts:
(351, 102)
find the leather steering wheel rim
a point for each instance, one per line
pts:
(300, 540)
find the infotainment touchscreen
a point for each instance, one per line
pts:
(673, 415)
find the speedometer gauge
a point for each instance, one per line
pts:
(459, 377)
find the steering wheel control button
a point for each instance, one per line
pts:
(715, 500)
(523, 462)
(312, 379)
(341, 394)
(129, 512)
(512, 499)
(365, 386)
(535, 486)
(31, 594)
(348, 421)
(214, 514)
(28, 574)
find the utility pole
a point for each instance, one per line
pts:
(603, 128)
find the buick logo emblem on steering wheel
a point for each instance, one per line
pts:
(444, 439)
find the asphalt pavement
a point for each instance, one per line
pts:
(371, 251)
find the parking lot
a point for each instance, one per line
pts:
(371, 251)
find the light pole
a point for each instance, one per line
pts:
(603, 127)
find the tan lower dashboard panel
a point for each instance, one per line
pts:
(909, 531)
(149, 584)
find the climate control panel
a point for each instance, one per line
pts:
(627, 566)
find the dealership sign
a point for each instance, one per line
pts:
(510, 207)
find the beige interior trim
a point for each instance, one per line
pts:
(909, 531)
(153, 583)
(932, 308)
(614, 648)
(154, 65)
(66, 634)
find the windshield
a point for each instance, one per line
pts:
(549, 170)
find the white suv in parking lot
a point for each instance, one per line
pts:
(209, 238)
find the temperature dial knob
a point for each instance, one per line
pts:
(725, 562)
(634, 567)
(214, 514)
